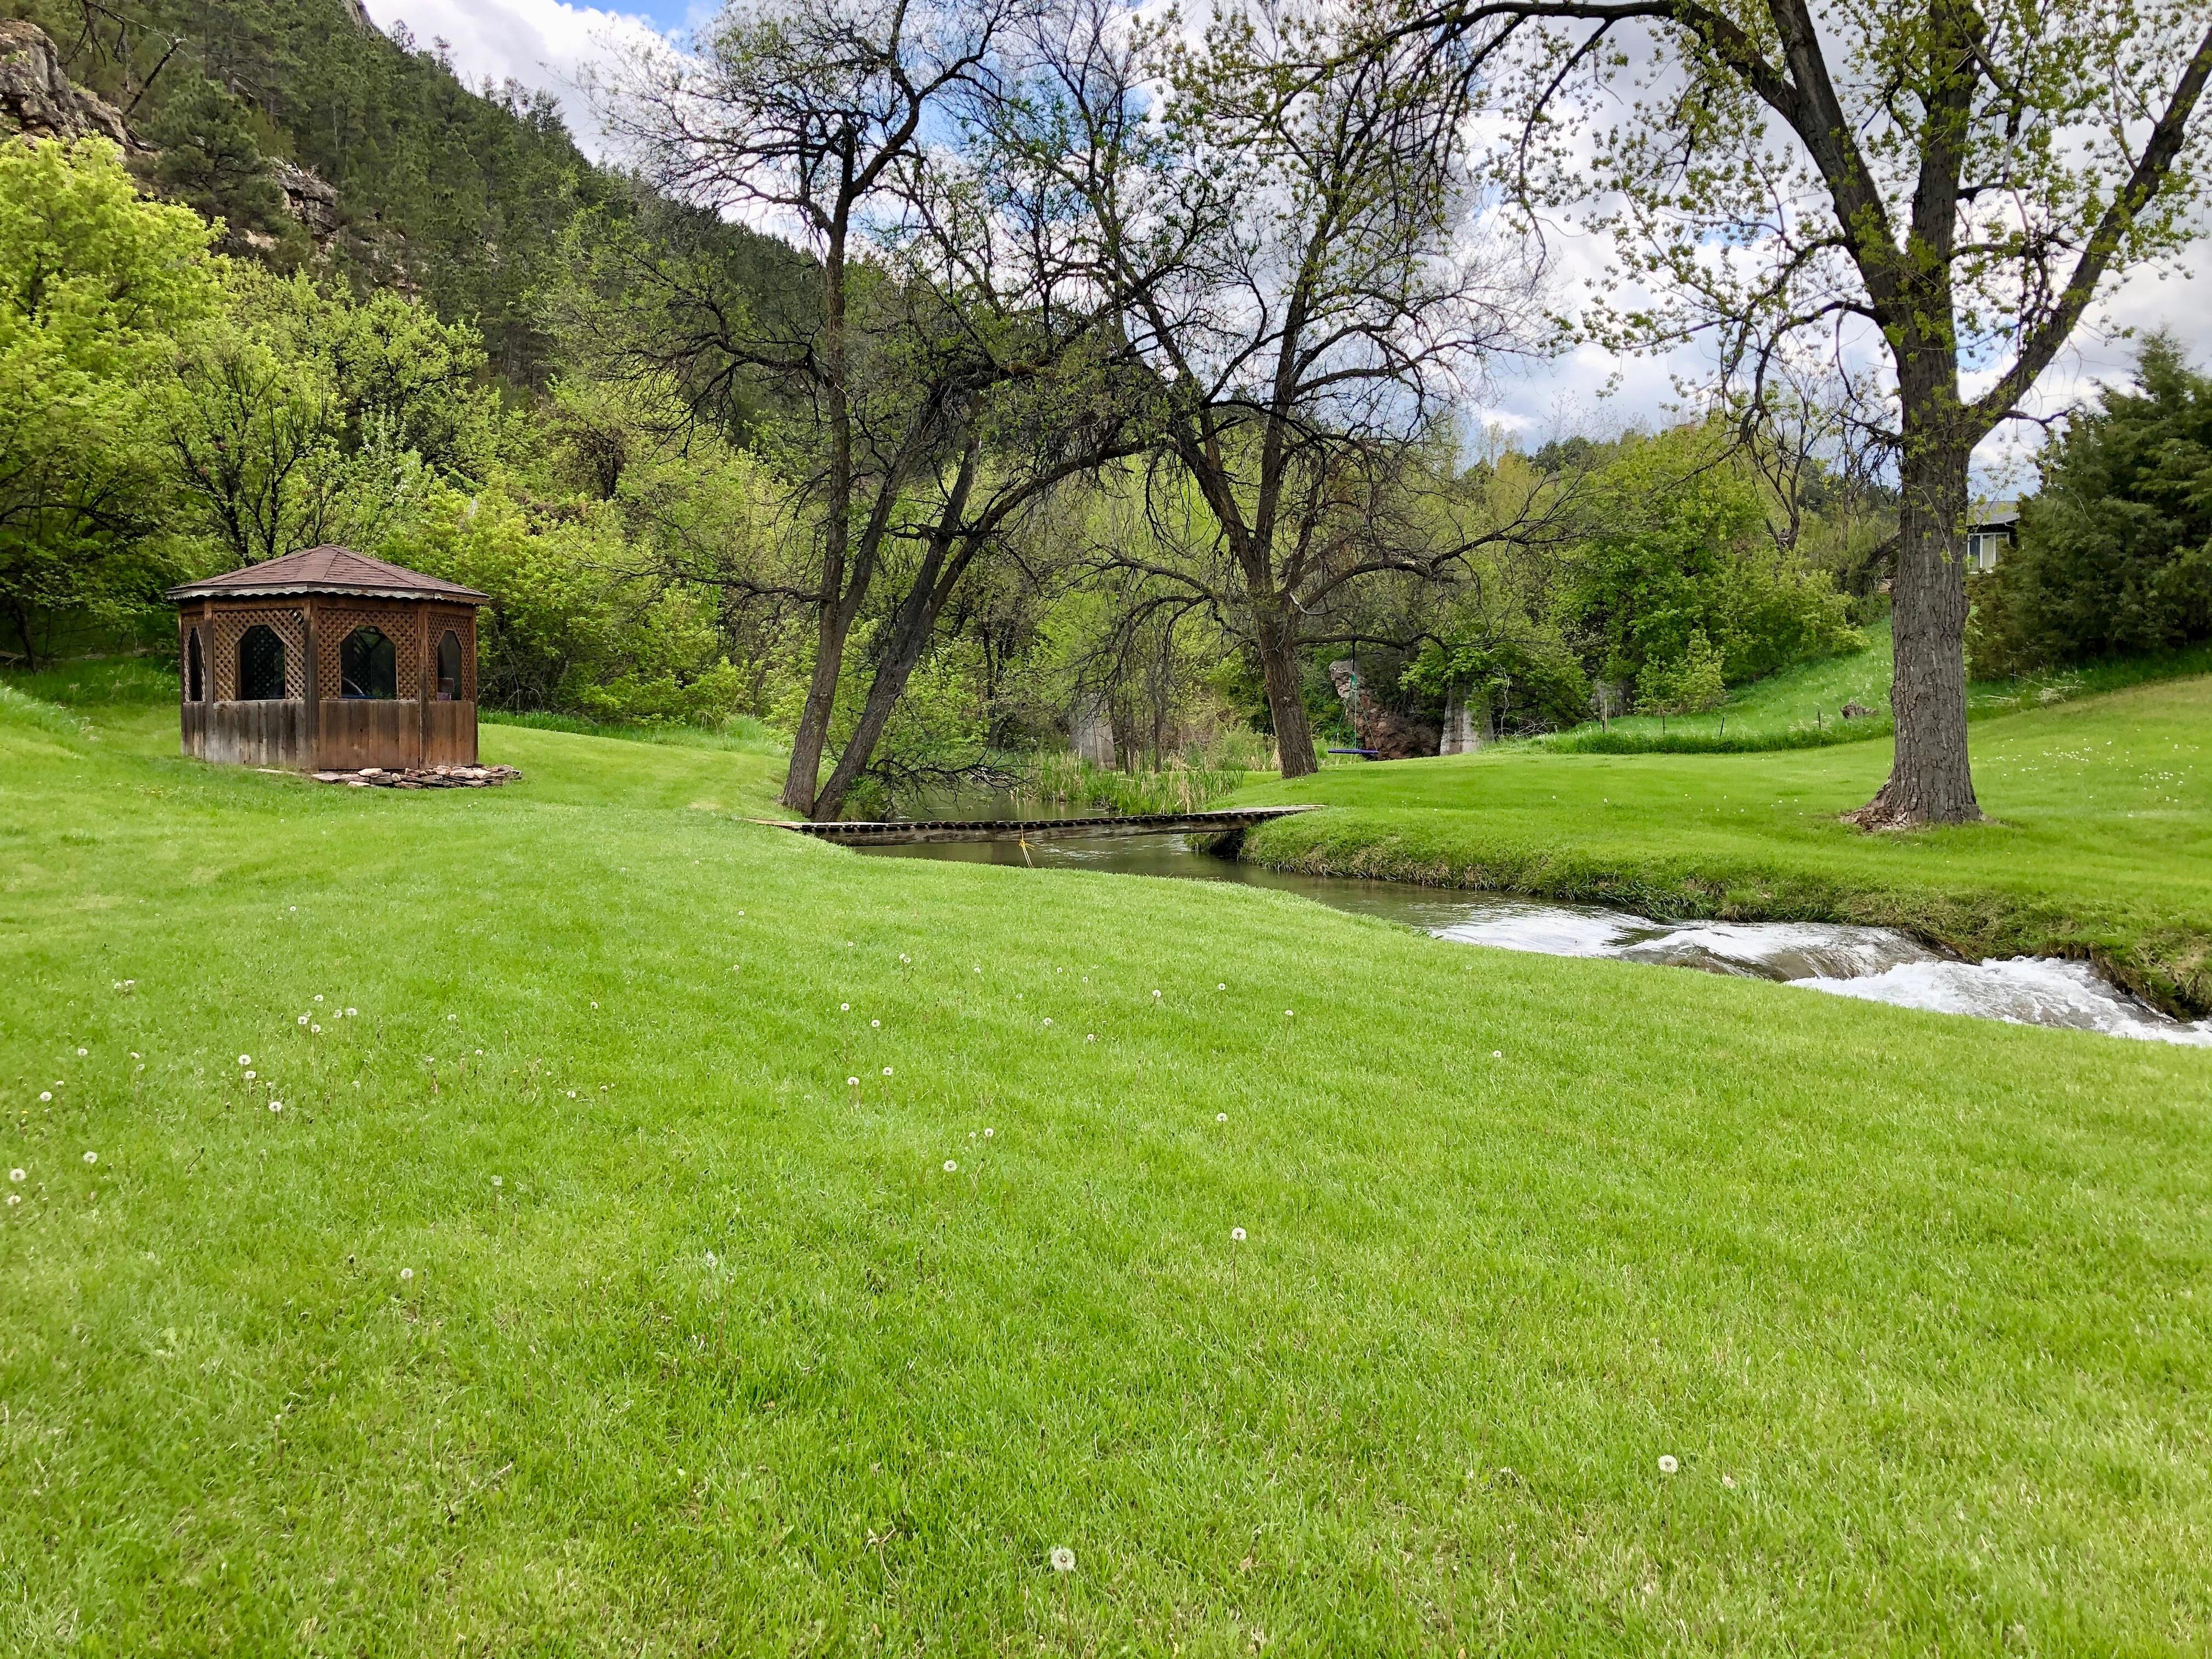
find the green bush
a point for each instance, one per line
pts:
(2115, 555)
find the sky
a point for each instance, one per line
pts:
(550, 44)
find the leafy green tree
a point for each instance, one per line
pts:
(1678, 551)
(94, 282)
(1945, 185)
(2115, 555)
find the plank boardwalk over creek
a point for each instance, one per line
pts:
(1090, 829)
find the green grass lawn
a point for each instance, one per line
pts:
(1802, 707)
(575, 1302)
(2099, 843)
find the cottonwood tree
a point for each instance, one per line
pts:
(1290, 250)
(952, 363)
(1948, 185)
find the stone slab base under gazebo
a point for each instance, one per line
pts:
(327, 659)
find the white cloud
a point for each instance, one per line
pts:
(544, 44)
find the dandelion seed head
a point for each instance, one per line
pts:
(1236, 1235)
(45, 1094)
(1048, 1020)
(1667, 1463)
(303, 1019)
(16, 1175)
(988, 1134)
(319, 997)
(92, 1158)
(407, 1273)
(1062, 1559)
(14, 1199)
(1729, 1480)
(951, 1168)
(1497, 1053)
(315, 1029)
(1221, 987)
(250, 1075)
(82, 1052)
(1221, 1117)
(710, 1258)
(844, 1007)
(887, 1071)
(275, 1105)
(852, 1083)
(351, 1012)
(875, 1025)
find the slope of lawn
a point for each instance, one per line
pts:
(2100, 843)
(1802, 707)
(576, 1302)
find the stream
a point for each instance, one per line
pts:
(1877, 964)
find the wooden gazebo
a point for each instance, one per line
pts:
(329, 659)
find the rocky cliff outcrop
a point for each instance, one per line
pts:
(38, 97)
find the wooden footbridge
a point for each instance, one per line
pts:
(1225, 822)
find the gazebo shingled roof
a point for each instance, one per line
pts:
(328, 570)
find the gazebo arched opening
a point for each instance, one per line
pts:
(260, 664)
(368, 666)
(195, 671)
(449, 667)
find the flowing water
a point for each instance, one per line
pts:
(1876, 964)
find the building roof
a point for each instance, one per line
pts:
(328, 570)
(1993, 515)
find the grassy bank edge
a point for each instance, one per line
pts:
(2168, 967)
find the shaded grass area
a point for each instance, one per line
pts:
(576, 1302)
(2100, 843)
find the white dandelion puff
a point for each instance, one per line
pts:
(1287, 1014)
(82, 1052)
(1221, 988)
(1667, 1463)
(16, 1175)
(951, 1168)
(1062, 1559)
(1048, 1021)
(406, 1273)
(319, 997)
(275, 1105)
(1729, 1480)
(1497, 1053)
(14, 1199)
(875, 1026)
(852, 1083)
(303, 1019)
(1236, 1235)
(315, 1029)
(92, 1158)
(250, 1075)
(45, 1094)
(1090, 1036)
(710, 1258)
(988, 1134)
(844, 1007)
(1156, 996)
(352, 1012)
(887, 1071)
(1221, 1117)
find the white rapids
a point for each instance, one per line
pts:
(1877, 964)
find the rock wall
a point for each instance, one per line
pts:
(1391, 735)
(37, 96)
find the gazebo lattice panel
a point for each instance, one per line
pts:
(228, 628)
(399, 623)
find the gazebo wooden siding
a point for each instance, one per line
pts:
(312, 601)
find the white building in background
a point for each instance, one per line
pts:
(1991, 528)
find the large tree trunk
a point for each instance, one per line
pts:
(812, 736)
(1276, 635)
(1931, 780)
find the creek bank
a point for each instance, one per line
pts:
(2168, 967)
